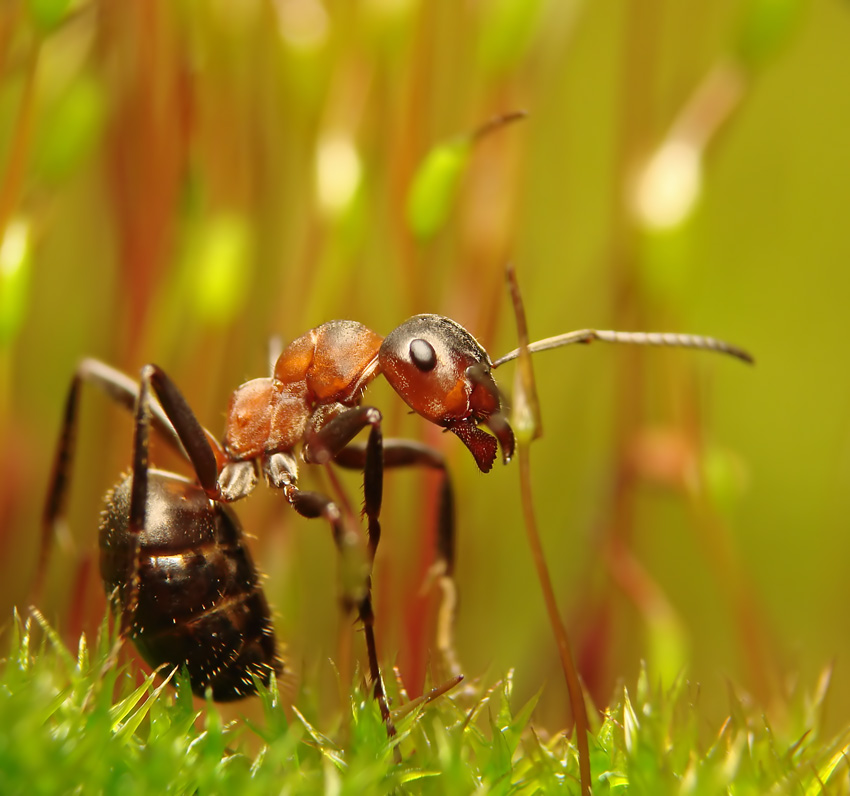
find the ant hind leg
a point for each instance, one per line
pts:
(124, 391)
(356, 564)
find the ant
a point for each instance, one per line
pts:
(172, 556)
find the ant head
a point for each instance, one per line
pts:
(443, 374)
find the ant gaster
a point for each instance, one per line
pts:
(173, 559)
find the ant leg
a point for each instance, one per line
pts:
(322, 444)
(222, 479)
(171, 416)
(198, 444)
(193, 440)
(409, 453)
(128, 600)
(329, 440)
(199, 448)
(57, 491)
(357, 580)
(125, 392)
(138, 500)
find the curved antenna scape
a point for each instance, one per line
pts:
(632, 338)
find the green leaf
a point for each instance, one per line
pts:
(218, 269)
(123, 708)
(723, 477)
(48, 14)
(507, 30)
(434, 188)
(15, 276)
(766, 27)
(70, 129)
(129, 727)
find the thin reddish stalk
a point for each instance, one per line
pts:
(527, 413)
(13, 175)
(558, 629)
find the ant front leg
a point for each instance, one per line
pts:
(409, 453)
(329, 438)
(325, 442)
(320, 447)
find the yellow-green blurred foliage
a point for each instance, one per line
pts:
(182, 182)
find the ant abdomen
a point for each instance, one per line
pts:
(197, 592)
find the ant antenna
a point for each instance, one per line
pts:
(632, 338)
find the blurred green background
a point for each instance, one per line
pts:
(183, 181)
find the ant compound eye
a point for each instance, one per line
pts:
(423, 355)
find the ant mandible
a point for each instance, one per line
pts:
(172, 555)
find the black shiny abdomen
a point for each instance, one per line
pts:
(199, 599)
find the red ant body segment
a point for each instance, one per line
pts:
(172, 555)
(326, 369)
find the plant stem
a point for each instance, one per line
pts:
(13, 175)
(529, 428)
(558, 629)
